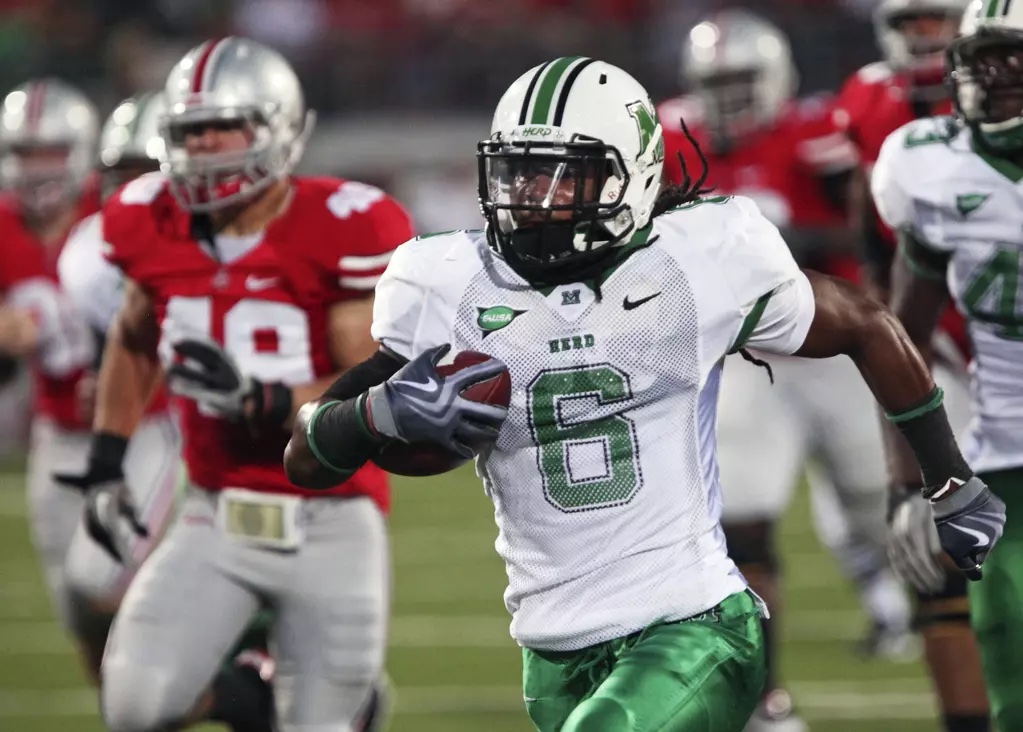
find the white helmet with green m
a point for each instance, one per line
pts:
(571, 170)
(986, 64)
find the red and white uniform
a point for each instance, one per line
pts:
(67, 347)
(873, 103)
(76, 569)
(269, 307)
(778, 166)
(267, 299)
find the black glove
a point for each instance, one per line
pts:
(417, 404)
(207, 374)
(110, 515)
(970, 519)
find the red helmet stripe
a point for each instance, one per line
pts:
(36, 98)
(203, 65)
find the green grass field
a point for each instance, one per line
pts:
(451, 658)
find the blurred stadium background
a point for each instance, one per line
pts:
(403, 89)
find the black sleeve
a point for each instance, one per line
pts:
(376, 369)
(338, 434)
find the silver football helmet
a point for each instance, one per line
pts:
(130, 143)
(232, 83)
(741, 67)
(48, 133)
(913, 36)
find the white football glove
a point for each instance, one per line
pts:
(914, 548)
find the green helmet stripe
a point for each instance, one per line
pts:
(529, 92)
(992, 8)
(544, 102)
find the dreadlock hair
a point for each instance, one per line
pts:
(688, 191)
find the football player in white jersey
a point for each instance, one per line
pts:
(131, 145)
(951, 187)
(613, 305)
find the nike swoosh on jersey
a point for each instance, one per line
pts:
(260, 283)
(633, 304)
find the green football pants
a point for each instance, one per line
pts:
(996, 607)
(705, 674)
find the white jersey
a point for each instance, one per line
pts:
(95, 286)
(604, 477)
(930, 181)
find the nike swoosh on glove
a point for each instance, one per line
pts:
(417, 404)
(970, 520)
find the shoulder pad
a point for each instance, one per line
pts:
(929, 131)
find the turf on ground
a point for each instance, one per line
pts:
(455, 667)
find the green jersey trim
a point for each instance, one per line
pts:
(751, 320)
(937, 397)
(1010, 170)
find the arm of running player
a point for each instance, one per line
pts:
(918, 297)
(968, 516)
(128, 377)
(388, 398)
(350, 344)
(19, 335)
(209, 375)
(37, 318)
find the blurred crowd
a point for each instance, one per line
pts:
(360, 55)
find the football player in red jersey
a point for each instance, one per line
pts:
(762, 142)
(251, 289)
(48, 131)
(95, 582)
(878, 99)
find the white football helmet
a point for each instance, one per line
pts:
(572, 168)
(130, 143)
(236, 82)
(986, 64)
(741, 67)
(48, 133)
(918, 52)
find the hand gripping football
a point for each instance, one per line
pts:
(425, 458)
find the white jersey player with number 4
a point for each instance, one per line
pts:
(964, 205)
(611, 305)
(605, 467)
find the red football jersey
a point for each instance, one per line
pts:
(779, 167)
(873, 103)
(59, 370)
(268, 307)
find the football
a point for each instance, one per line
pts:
(425, 458)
